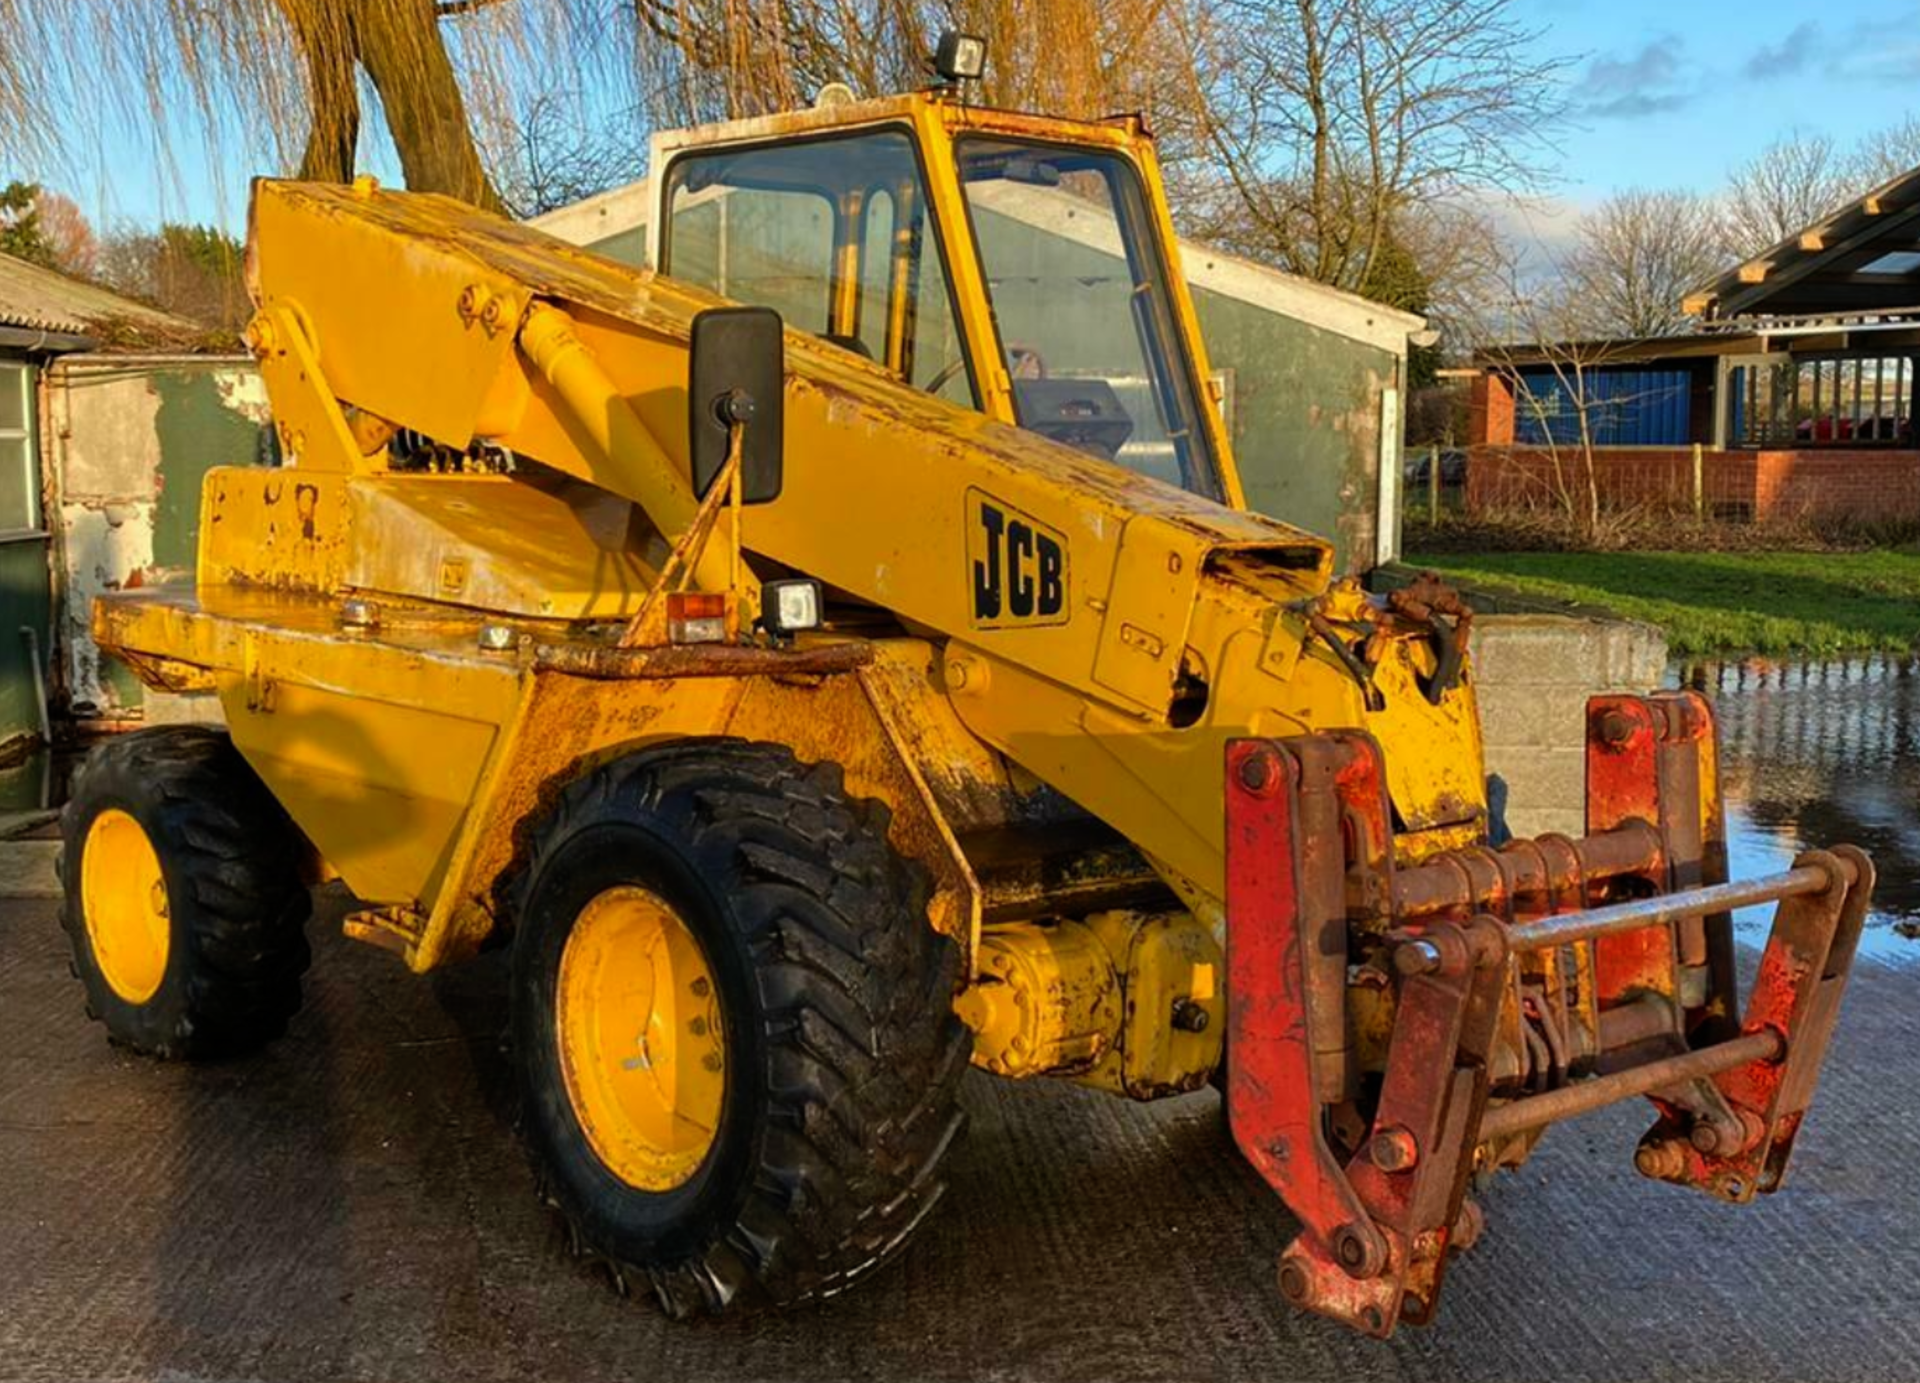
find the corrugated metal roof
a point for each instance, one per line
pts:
(38, 299)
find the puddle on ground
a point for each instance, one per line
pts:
(1823, 753)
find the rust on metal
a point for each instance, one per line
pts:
(610, 662)
(1496, 992)
(1487, 879)
(1538, 1110)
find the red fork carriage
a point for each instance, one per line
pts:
(1396, 1028)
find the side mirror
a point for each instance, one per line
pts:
(738, 373)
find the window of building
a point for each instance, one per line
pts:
(19, 470)
(1857, 398)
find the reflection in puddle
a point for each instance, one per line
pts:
(1816, 754)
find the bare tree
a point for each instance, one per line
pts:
(286, 75)
(1635, 256)
(399, 45)
(1531, 335)
(190, 271)
(69, 236)
(1333, 138)
(1318, 135)
(283, 77)
(714, 59)
(1787, 185)
(1326, 122)
(1885, 154)
(553, 152)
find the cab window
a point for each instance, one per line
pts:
(835, 235)
(1080, 298)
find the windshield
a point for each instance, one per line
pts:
(835, 235)
(1080, 299)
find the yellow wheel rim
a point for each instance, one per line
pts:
(123, 897)
(641, 1047)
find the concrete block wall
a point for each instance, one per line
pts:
(1534, 674)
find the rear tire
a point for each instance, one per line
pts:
(185, 906)
(811, 951)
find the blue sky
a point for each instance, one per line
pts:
(1675, 93)
(1665, 93)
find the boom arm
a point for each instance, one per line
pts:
(1088, 608)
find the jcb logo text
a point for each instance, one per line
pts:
(1019, 566)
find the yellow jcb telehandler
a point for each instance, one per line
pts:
(843, 654)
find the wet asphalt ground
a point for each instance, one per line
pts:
(352, 1204)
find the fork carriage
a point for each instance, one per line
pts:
(1395, 1029)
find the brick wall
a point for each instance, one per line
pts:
(1765, 486)
(1628, 477)
(1490, 411)
(1867, 484)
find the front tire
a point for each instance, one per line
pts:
(185, 906)
(732, 1026)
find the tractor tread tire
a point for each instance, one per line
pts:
(860, 1051)
(232, 863)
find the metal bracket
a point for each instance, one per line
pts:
(1309, 857)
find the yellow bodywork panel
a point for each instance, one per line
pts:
(374, 744)
(281, 529)
(412, 758)
(558, 550)
(386, 282)
(493, 544)
(379, 784)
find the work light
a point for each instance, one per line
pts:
(787, 607)
(960, 57)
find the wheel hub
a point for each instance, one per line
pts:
(642, 1049)
(123, 897)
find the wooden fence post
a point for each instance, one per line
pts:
(1699, 483)
(1433, 485)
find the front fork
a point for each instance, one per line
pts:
(1529, 984)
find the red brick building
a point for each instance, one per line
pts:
(1794, 398)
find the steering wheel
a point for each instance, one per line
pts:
(1023, 362)
(946, 373)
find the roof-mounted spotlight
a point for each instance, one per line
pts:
(960, 59)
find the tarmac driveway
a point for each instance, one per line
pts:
(352, 1204)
